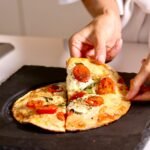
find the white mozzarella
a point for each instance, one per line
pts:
(57, 99)
(77, 85)
(111, 100)
(78, 107)
(92, 112)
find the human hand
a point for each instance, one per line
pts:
(100, 39)
(139, 91)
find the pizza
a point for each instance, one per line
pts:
(44, 107)
(92, 96)
(96, 94)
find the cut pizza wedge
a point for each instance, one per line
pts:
(96, 95)
(44, 107)
(93, 96)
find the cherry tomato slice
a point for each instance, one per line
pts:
(34, 103)
(54, 88)
(47, 109)
(61, 116)
(106, 86)
(77, 95)
(94, 101)
(121, 80)
(81, 73)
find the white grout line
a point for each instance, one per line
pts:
(21, 17)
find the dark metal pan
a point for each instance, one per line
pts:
(128, 133)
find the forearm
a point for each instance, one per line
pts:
(96, 7)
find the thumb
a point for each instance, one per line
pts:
(136, 84)
(100, 50)
(140, 78)
(134, 88)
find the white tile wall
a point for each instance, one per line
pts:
(41, 18)
(9, 17)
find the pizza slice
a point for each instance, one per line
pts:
(44, 107)
(96, 95)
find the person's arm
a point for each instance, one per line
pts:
(101, 38)
(97, 7)
(139, 91)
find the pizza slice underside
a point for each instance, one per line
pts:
(96, 95)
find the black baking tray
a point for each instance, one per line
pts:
(128, 133)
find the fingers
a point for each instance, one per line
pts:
(81, 47)
(139, 80)
(79, 43)
(144, 97)
(82, 43)
(74, 47)
(114, 50)
(134, 88)
(100, 50)
(136, 84)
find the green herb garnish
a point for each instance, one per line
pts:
(48, 99)
(89, 91)
(62, 105)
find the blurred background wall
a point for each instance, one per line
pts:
(41, 18)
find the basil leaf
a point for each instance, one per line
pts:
(89, 91)
(48, 99)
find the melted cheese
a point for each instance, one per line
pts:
(78, 107)
(92, 112)
(76, 85)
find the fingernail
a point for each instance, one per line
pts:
(101, 59)
(130, 95)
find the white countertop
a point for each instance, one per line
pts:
(48, 51)
(32, 51)
(53, 52)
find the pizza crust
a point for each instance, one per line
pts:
(78, 114)
(50, 122)
(114, 106)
